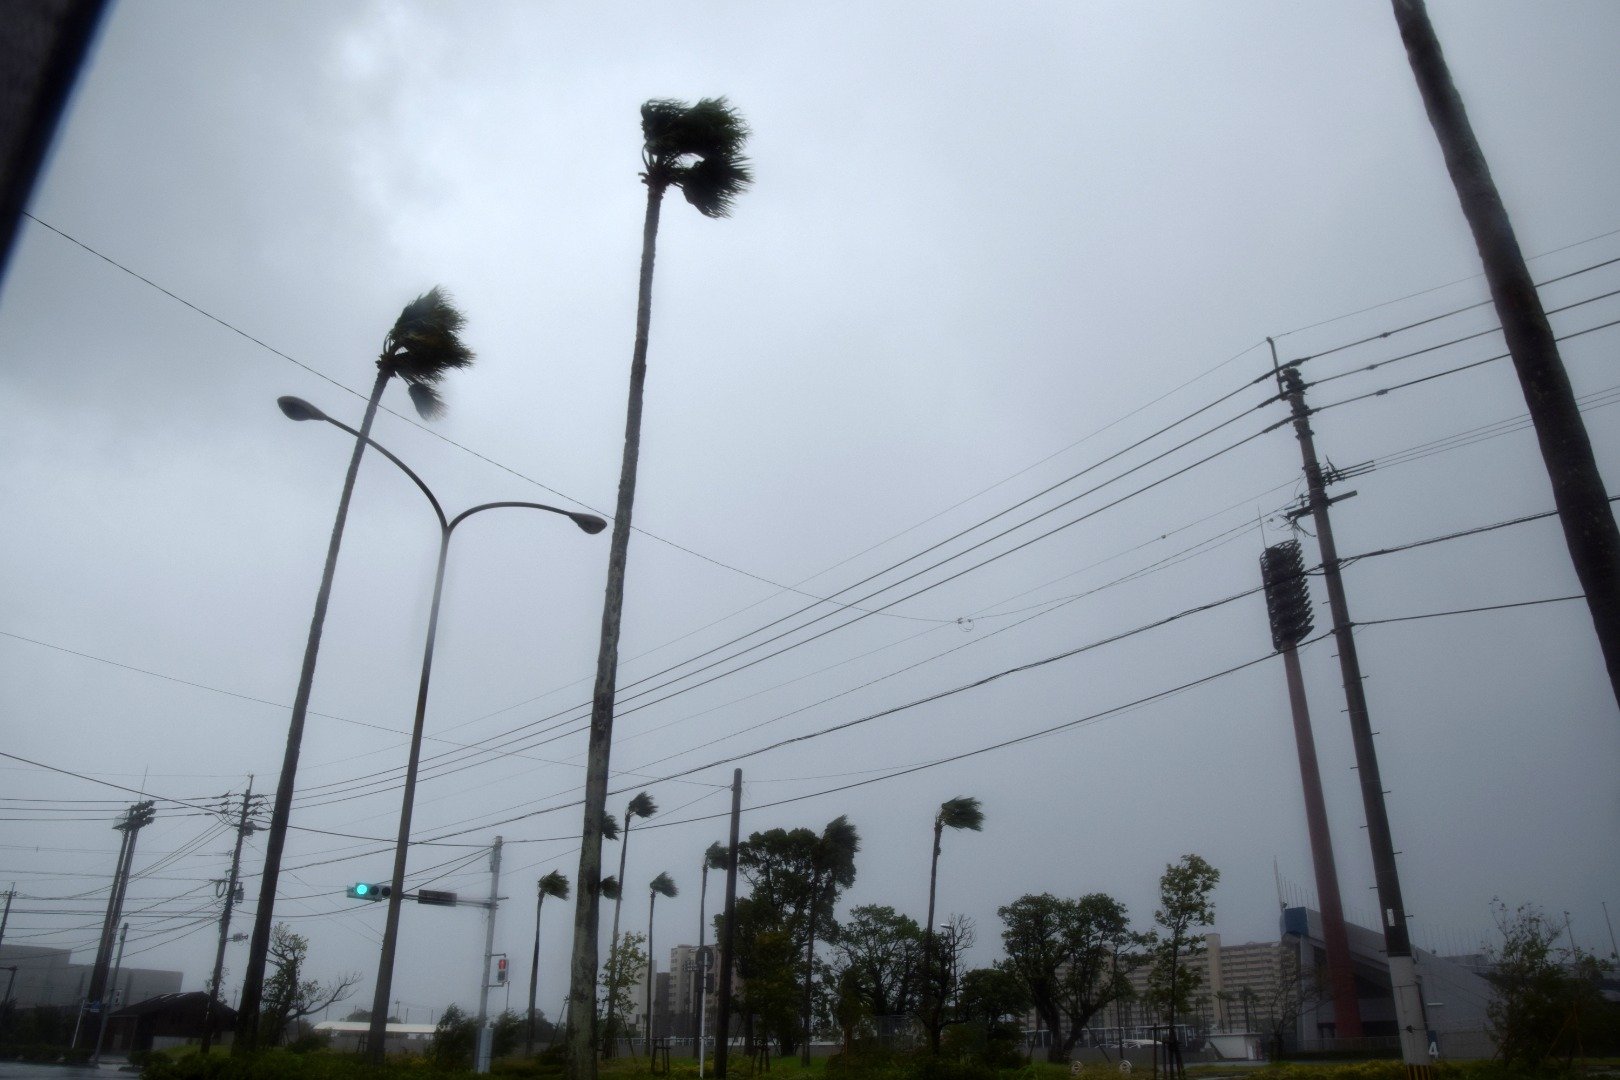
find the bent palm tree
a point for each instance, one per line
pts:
(714, 858)
(641, 806)
(424, 344)
(553, 884)
(961, 812)
(832, 867)
(662, 885)
(697, 149)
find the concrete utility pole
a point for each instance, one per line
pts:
(1288, 603)
(243, 827)
(484, 1033)
(1566, 450)
(728, 937)
(1397, 941)
(5, 917)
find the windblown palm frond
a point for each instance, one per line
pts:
(642, 806)
(610, 827)
(554, 884)
(424, 343)
(716, 857)
(663, 885)
(609, 887)
(697, 148)
(961, 812)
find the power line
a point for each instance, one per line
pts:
(407, 419)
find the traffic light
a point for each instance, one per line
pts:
(500, 971)
(365, 890)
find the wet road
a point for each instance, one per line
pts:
(22, 1070)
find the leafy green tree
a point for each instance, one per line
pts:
(455, 1039)
(699, 150)
(288, 996)
(1547, 996)
(626, 963)
(1062, 951)
(959, 813)
(992, 1002)
(1185, 904)
(764, 966)
(795, 878)
(641, 806)
(508, 1031)
(878, 956)
(832, 869)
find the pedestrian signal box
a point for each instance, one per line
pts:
(500, 971)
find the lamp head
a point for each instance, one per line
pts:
(296, 408)
(589, 522)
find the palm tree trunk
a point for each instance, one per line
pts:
(276, 838)
(613, 942)
(582, 976)
(703, 896)
(929, 1009)
(1589, 527)
(534, 972)
(652, 901)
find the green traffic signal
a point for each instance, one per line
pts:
(365, 890)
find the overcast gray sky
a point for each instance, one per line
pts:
(986, 249)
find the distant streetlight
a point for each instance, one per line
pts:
(299, 409)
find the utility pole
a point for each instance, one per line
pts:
(1288, 604)
(484, 1033)
(1397, 940)
(6, 916)
(112, 992)
(728, 936)
(138, 816)
(243, 827)
(1566, 450)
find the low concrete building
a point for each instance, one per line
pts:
(351, 1036)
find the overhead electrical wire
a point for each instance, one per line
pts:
(433, 767)
(548, 737)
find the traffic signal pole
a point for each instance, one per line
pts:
(1392, 911)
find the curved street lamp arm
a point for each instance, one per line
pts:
(404, 468)
(588, 522)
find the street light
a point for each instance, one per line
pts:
(298, 409)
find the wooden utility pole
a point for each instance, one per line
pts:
(1397, 941)
(728, 936)
(1578, 491)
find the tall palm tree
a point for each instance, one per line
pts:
(641, 806)
(832, 867)
(662, 885)
(697, 149)
(714, 858)
(961, 812)
(422, 346)
(553, 884)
